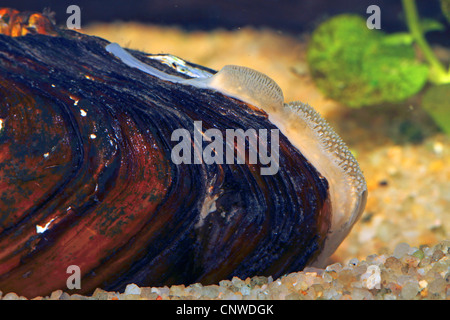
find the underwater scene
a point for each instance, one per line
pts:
(225, 150)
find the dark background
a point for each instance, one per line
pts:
(293, 16)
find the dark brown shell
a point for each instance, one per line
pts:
(118, 207)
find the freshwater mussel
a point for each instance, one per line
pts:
(88, 176)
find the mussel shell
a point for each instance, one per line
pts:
(85, 151)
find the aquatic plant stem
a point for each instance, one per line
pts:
(438, 73)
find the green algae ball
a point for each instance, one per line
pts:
(358, 66)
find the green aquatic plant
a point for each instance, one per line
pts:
(445, 6)
(438, 73)
(436, 101)
(359, 66)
